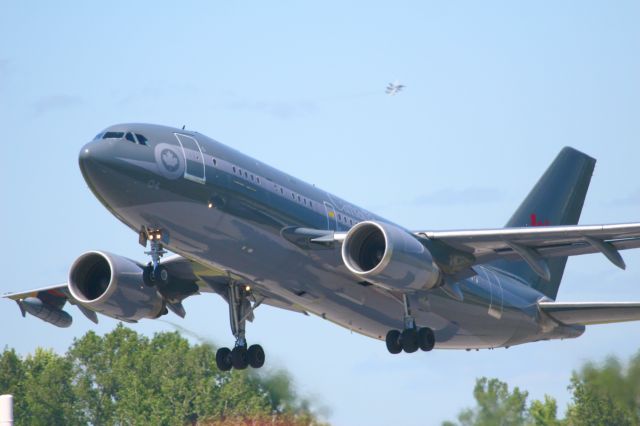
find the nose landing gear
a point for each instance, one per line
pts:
(154, 273)
(240, 309)
(411, 338)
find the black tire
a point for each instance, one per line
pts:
(426, 339)
(393, 342)
(223, 359)
(255, 355)
(409, 340)
(239, 358)
(148, 277)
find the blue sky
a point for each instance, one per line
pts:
(494, 91)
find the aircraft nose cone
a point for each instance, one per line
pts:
(92, 159)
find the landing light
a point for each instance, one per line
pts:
(247, 288)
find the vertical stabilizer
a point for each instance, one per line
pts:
(556, 199)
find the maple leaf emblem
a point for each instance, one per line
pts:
(170, 160)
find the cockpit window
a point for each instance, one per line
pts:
(113, 135)
(141, 139)
(130, 138)
(98, 136)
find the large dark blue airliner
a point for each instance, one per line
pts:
(257, 236)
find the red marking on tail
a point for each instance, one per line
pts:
(536, 222)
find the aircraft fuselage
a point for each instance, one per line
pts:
(227, 211)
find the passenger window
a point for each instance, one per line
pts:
(258, 179)
(113, 135)
(251, 178)
(246, 175)
(130, 138)
(234, 169)
(214, 162)
(141, 139)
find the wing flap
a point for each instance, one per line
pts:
(591, 313)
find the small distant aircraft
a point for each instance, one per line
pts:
(394, 88)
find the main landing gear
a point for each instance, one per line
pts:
(242, 355)
(411, 338)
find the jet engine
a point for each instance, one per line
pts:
(112, 285)
(390, 257)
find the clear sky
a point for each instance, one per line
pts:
(493, 91)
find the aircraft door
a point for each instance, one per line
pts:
(331, 216)
(194, 160)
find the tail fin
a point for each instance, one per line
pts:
(557, 199)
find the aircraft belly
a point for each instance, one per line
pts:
(315, 280)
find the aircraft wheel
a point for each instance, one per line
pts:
(409, 340)
(148, 277)
(162, 275)
(393, 342)
(255, 355)
(239, 358)
(223, 359)
(426, 339)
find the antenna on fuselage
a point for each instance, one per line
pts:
(183, 126)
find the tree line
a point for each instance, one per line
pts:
(601, 394)
(124, 378)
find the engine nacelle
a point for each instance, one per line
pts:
(112, 285)
(390, 257)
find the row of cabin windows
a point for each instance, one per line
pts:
(253, 178)
(239, 172)
(347, 220)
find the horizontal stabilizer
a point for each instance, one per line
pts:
(590, 313)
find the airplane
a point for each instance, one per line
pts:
(394, 88)
(257, 236)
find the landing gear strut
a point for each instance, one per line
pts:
(240, 309)
(154, 273)
(411, 338)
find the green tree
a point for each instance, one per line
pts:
(495, 405)
(12, 379)
(47, 390)
(544, 413)
(123, 378)
(595, 406)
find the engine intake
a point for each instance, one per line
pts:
(389, 257)
(113, 286)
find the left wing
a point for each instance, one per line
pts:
(588, 313)
(187, 278)
(533, 244)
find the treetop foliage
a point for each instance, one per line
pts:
(124, 378)
(602, 394)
